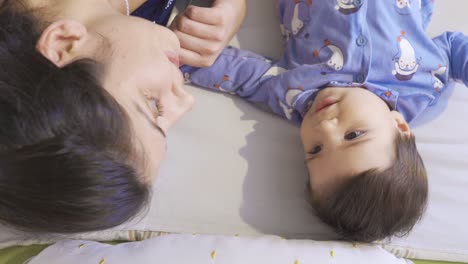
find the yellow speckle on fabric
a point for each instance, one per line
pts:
(332, 253)
(213, 254)
(103, 261)
(236, 235)
(355, 245)
(296, 261)
(81, 246)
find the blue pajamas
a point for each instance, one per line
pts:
(377, 44)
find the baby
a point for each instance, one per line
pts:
(353, 74)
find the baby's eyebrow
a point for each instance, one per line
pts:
(307, 159)
(353, 143)
(357, 142)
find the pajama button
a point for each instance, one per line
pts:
(358, 2)
(361, 40)
(388, 93)
(360, 78)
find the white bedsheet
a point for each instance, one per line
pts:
(184, 249)
(235, 169)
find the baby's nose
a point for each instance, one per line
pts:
(328, 125)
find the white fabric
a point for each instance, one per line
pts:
(234, 169)
(214, 249)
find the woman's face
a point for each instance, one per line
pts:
(140, 70)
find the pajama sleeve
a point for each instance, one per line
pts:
(237, 72)
(454, 46)
(258, 80)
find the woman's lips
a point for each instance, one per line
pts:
(173, 57)
(324, 103)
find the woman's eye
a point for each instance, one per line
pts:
(353, 135)
(316, 149)
(156, 107)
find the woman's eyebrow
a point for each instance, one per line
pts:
(138, 108)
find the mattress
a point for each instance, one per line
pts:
(233, 168)
(246, 175)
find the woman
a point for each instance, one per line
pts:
(87, 96)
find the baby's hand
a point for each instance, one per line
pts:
(205, 32)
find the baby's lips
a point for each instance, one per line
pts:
(324, 103)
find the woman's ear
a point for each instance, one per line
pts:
(63, 42)
(401, 123)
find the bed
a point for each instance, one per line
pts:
(234, 171)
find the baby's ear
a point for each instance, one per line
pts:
(63, 42)
(400, 123)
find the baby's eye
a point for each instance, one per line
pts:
(353, 135)
(316, 150)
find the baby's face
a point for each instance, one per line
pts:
(347, 131)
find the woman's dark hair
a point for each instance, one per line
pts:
(65, 143)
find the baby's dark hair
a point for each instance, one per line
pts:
(379, 204)
(65, 143)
